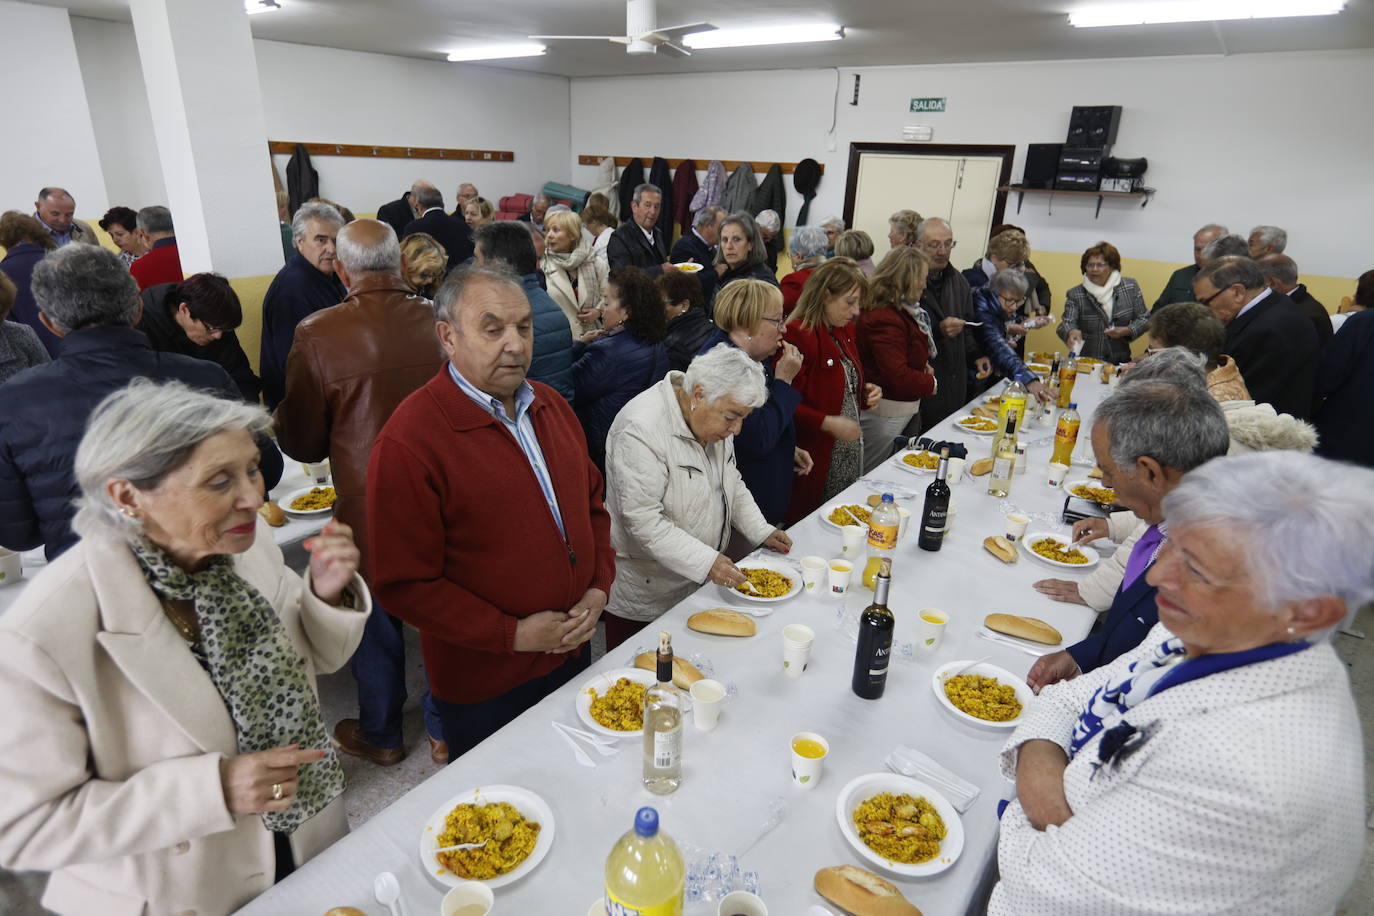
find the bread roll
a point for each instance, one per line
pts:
(1001, 548)
(861, 892)
(1032, 628)
(1095, 473)
(272, 513)
(345, 911)
(722, 622)
(685, 674)
(980, 467)
(875, 500)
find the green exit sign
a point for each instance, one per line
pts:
(927, 104)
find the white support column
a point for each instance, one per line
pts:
(202, 80)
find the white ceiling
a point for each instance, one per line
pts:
(878, 32)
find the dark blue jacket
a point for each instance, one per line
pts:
(18, 265)
(691, 248)
(298, 290)
(686, 333)
(1344, 381)
(449, 231)
(1133, 614)
(766, 441)
(609, 372)
(992, 337)
(553, 341)
(45, 416)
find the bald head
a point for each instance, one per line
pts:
(1280, 272)
(425, 196)
(935, 237)
(367, 246)
(56, 208)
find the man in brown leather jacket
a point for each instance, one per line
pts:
(349, 366)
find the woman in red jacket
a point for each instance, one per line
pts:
(831, 383)
(895, 347)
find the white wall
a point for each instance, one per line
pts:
(49, 138)
(315, 94)
(1262, 138)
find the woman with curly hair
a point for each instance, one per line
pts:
(425, 261)
(121, 223)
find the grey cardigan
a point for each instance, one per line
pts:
(20, 349)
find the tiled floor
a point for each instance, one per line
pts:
(372, 788)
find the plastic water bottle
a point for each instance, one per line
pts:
(645, 875)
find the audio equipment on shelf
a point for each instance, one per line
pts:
(1042, 163)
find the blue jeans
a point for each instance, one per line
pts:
(379, 667)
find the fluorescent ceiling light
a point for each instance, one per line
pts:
(1110, 14)
(253, 7)
(767, 35)
(497, 52)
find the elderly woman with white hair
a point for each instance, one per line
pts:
(673, 490)
(1217, 768)
(832, 226)
(164, 748)
(807, 248)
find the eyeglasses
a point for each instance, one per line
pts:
(1095, 265)
(1208, 300)
(778, 323)
(1011, 300)
(940, 246)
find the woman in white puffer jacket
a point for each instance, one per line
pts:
(673, 490)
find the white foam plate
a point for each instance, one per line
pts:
(304, 513)
(911, 469)
(985, 669)
(1032, 537)
(824, 514)
(975, 432)
(862, 788)
(526, 802)
(776, 566)
(603, 682)
(1068, 486)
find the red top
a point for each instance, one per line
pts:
(792, 286)
(894, 352)
(821, 385)
(463, 543)
(160, 265)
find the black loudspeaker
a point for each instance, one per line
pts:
(1042, 162)
(1094, 125)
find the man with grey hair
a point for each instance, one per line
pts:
(539, 206)
(85, 296)
(698, 246)
(56, 210)
(466, 192)
(1272, 341)
(450, 231)
(832, 226)
(1227, 246)
(1146, 437)
(1265, 240)
(1281, 273)
(949, 302)
(1180, 285)
(505, 616)
(162, 263)
(770, 227)
(350, 366)
(638, 242)
(305, 285)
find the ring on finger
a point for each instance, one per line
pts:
(276, 791)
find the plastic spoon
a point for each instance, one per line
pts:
(387, 890)
(462, 846)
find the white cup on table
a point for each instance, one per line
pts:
(930, 628)
(707, 695)
(469, 897)
(806, 762)
(797, 639)
(1057, 472)
(839, 574)
(1016, 526)
(741, 903)
(852, 540)
(11, 566)
(813, 574)
(954, 471)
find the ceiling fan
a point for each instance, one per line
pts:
(642, 34)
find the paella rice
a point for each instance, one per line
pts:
(1096, 494)
(838, 516)
(768, 583)
(979, 424)
(1051, 549)
(983, 697)
(510, 839)
(317, 498)
(621, 708)
(900, 828)
(926, 461)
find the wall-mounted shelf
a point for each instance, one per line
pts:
(287, 147)
(761, 165)
(1143, 195)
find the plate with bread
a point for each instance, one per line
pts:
(900, 824)
(772, 580)
(612, 703)
(1055, 550)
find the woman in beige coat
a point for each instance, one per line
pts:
(163, 750)
(576, 278)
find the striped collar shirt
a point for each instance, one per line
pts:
(522, 429)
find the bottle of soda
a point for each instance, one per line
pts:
(883, 524)
(645, 875)
(1068, 374)
(1066, 434)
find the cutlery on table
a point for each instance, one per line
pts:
(990, 636)
(462, 846)
(777, 812)
(971, 665)
(578, 754)
(387, 890)
(606, 747)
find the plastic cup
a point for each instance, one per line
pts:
(317, 471)
(741, 903)
(930, 628)
(11, 567)
(1058, 470)
(468, 894)
(905, 516)
(813, 574)
(707, 695)
(796, 648)
(852, 541)
(955, 471)
(806, 770)
(840, 572)
(1016, 526)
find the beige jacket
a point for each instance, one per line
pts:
(114, 736)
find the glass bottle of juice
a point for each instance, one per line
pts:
(645, 875)
(1066, 434)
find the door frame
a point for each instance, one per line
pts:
(1003, 152)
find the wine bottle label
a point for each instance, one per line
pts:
(935, 520)
(667, 749)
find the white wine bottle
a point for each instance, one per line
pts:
(663, 725)
(1004, 462)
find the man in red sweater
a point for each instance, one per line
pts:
(487, 528)
(162, 263)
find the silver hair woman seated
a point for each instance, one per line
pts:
(673, 490)
(1217, 768)
(164, 749)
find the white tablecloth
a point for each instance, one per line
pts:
(731, 774)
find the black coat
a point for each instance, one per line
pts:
(167, 336)
(692, 247)
(1132, 615)
(302, 181)
(660, 175)
(449, 231)
(1315, 312)
(397, 215)
(757, 271)
(1275, 348)
(46, 408)
(297, 290)
(686, 333)
(948, 295)
(630, 178)
(629, 248)
(1344, 382)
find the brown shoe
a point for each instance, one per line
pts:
(438, 750)
(349, 737)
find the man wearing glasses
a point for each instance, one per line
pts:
(949, 301)
(1272, 341)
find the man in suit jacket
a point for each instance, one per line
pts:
(1281, 273)
(397, 214)
(1163, 431)
(1180, 285)
(638, 242)
(449, 231)
(539, 205)
(699, 246)
(1272, 341)
(56, 210)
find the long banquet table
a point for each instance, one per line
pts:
(733, 773)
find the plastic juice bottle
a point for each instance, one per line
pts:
(1066, 434)
(1068, 374)
(645, 875)
(883, 523)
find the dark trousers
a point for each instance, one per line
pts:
(467, 725)
(379, 666)
(620, 629)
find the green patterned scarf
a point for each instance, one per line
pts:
(255, 667)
